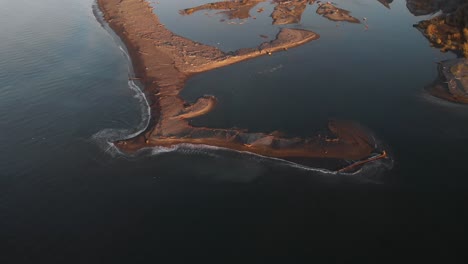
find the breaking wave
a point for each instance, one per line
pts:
(105, 137)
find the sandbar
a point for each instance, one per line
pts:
(163, 61)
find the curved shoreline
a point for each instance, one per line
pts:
(163, 61)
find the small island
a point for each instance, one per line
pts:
(285, 11)
(163, 61)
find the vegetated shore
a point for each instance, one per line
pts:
(163, 61)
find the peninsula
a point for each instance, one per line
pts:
(163, 61)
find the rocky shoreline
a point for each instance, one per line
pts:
(448, 32)
(285, 11)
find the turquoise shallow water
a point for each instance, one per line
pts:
(66, 197)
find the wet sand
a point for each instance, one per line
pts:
(163, 61)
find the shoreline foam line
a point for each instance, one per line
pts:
(103, 136)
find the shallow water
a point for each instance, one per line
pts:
(65, 196)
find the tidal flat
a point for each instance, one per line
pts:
(163, 61)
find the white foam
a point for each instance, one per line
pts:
(368, 173)
(124, 51)
(105, 137)
(187, 148)
(161, 150)
(271, 70)
(261, 158)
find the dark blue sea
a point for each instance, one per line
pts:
(66, 195)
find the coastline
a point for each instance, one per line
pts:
(448, 31)
(178, 58)
(452, 83)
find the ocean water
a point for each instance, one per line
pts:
(66, 196)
